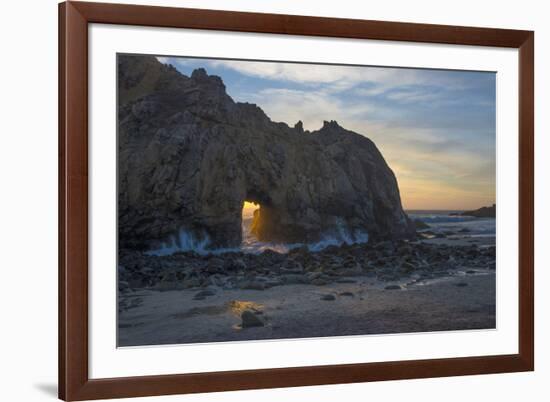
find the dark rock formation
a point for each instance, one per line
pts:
(420, 225)
(483, 212)
(189, 156)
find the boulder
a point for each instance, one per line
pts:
(249, 320)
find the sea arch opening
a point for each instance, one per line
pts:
(249, 221)
(257, 223)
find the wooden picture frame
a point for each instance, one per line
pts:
(74, 381)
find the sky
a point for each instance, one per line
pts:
(435, 128)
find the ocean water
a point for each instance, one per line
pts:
(438, 221)
(250, 244)
(459, 226)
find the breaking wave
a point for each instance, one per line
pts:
(442, 218)
(186, 241)
(465, 226)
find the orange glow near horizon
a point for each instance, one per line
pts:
(426, 194)
(249, 208)
(443, 185)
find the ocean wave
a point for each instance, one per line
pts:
(441, 218)
(463, 226)
(185, 241)
(202, 244)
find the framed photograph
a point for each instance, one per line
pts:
(259, 200)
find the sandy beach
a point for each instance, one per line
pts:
(460, 298)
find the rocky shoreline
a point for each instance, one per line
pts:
(387, 261)
(388, 287)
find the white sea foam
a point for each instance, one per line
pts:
(185, 241)
(201, 244)
(466, 226)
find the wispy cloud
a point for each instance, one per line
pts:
(311, 107)
(331, 77)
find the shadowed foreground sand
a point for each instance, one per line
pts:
(360, 305)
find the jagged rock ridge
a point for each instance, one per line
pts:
(189, 156)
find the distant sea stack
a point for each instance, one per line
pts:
(484, 212)
(189, 156)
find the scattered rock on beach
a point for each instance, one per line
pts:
(191, 283)
(388, 261)
(215, 265)
(328, 297)
(355, 271)
(346, 281)
(393, 287)
(294, 279)
(204, 294)
(461, 284)
(272, 283)
(249, 320)
(253, 285)
(407, 267)
(236, 264)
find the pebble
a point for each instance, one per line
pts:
(205, 293)
(254, 285)
(346, 281)
(293, 279)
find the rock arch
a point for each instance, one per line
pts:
(189, 156)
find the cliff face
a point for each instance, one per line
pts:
(189, 156)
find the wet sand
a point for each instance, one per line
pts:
(465, 299)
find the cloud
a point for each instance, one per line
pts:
(413, 95)
(311, 107)
(331, 77)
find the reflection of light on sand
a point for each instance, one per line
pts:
(238, 306)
